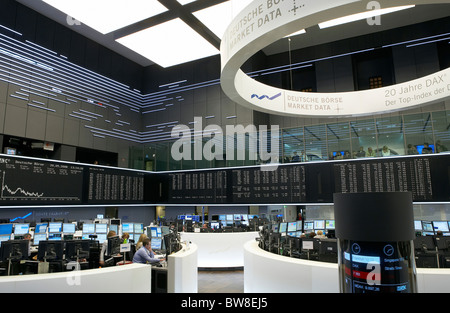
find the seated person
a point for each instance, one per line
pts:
(145, 254)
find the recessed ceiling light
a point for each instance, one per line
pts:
(169, 43)
(184, 2)
(362, 16)
(218, 17)
(108, 15)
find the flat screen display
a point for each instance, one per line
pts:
(440, 225)
(88, 228)
(55, 227)
(21, 229)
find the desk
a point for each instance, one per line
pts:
(220, 250)
(182, 275)
(132, 278)
(291, 275)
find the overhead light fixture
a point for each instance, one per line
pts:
(362, 16)
(170, 43)
(184, 2)
(218, 17)
(302, 31)
(106, 16)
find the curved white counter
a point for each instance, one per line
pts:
(266, 272)
(182, 272)
(220, 250)
(132, 278)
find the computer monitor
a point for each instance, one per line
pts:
(329, 224)
(101, 228)
(55, 227)
(440, 225)
(156, 243)
(155, 231)
(114, 228)
(222, 217)
(88, 228)
(127, 227)
(102, 237)
(420, 148)
(14, 250)
(418, 225)
(292, 226)
(427, 226)
(50, 250)
(299, 225)
(319, 224)
(275, 228)
(6, 229)
(40, 228)
(77, 249)
(21, 229)
(283, 227)
(38, 237)
(138, 228)
(54, 236)
(309, 225)
(4, 238)
(69, 228)
(113, 245)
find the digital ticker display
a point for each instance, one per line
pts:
(33, 181)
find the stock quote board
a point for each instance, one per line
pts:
(427, 177)
(29, 181)
(115, 186)
(26, 181)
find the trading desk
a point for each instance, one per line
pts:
(220, 250)
(292, 275)
(133, 278)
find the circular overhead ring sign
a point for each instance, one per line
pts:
(265, 21)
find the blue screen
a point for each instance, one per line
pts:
(55, 227)
(127, 228)
(420, 147)
(41, 228)
(6, 229)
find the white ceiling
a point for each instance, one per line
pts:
(192, 15)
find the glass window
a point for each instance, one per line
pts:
(418, 133)
(390, 136)
(293, 144)
(363, 137)
(441, 126)
(316, 142)
(339, 145)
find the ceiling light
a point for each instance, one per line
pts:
(169, 43)
(108, 15)
(362, 16)
(303, 31)
(184, 2)
(218, 17)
